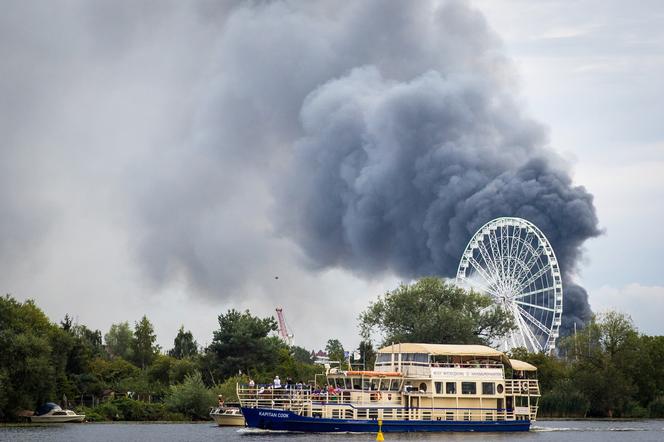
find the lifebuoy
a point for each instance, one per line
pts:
(376, 396)
(524, 386)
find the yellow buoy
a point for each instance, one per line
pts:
(380, 436)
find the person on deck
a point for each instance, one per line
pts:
(277, 382)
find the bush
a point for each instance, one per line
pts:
(229, 387)
(131, 410)
(634, 410)
(91, 414)
(563, 401)
(108, 411)
(656, 407)
(191, 398)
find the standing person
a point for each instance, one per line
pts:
(220, 400)
(277, 382)
(252, 384)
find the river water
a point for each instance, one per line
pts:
(542, 431)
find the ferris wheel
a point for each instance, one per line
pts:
(511, 260)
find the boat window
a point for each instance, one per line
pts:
(439, 387)
(366, 384)
(423, 386)
(384, 357)
(415, 357)
(395, 385)
(374, 384)
(500, 388)
(349, 384)
(468, 388)
(488, 388)
(450, 387)
(384, 384)
(356, 384)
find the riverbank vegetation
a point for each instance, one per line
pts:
(125, 375)
(608, 369)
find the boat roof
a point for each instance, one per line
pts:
(442, 349)
(452, 350)
(521, 365)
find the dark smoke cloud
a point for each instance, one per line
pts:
(386, 132)
(211, 136)
(396, 176)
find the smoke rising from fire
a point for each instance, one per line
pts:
(215, 142)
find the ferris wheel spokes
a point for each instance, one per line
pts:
(511, 260)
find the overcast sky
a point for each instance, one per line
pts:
(156, 157)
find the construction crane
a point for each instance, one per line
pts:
(283, 330)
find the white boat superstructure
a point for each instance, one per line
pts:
(413, 387)
(228, 416)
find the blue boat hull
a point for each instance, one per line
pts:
(282, 420)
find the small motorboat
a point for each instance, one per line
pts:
(228, 416)
(52, 413)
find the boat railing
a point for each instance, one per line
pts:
(522, 387)
(270, 397)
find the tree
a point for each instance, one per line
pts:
(301, 355)
(143, 344)
(242, 344)
(191, 398)
(434, 311)
(335, 351)
(367, 355)
(29, 366)
(119, 339)
(184, 345)
(607, 355)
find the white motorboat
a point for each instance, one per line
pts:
(52, 413)
(228, 416)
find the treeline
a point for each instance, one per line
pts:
(125, 375)
(608, 369)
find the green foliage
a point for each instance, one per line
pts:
(119, 339)
(242, 344)
(180, 369)
(434, 311)
(228, 388)
(634, 410)
(606, 356)
(335, 351)
(564, 400)
(184, 345)
(126, 409)
(143, 345)
(29, 365)
(656, 407)
(301, 355)
(550, 369)
(113, 371)
(367, 355)
(191, 398)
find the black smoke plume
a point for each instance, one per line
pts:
(386, 133)
(397, 175)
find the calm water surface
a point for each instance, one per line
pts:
(542, 431)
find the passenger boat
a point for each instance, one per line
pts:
(413, 387)
(52, 413)
(228, 416)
